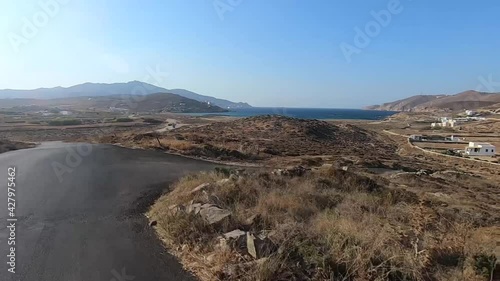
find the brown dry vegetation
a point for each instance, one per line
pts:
(326, 225)
(6, 145)
(266, 137)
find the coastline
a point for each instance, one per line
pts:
(324, 114)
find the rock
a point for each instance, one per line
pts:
(193, 208)
(422, 172)
(278, 172)
(236, 240)
(251, 248)
(260, 246)
(153, 223)
(200, 187)
(297, 171)
(213, 214)
(235, 234)
(345, 168)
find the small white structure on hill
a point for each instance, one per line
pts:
(470, 112)
(480, 149)
(445, 122)
(452, 138)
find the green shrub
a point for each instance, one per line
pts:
(152, 121)
(124, 120)
(65, 122)
(484, 264)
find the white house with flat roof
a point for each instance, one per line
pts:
(480, 149)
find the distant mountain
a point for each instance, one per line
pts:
(406, 104)
(158, 102)
(212, 100)
(102, 89)
(461, 101)
(154, 103)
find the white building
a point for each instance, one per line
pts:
(445, 122)
(416, 137)
(470, 112)
(451, 123)
(480, 149)
(452, 138)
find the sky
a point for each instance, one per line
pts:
(291, 53)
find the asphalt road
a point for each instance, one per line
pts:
(80, 213)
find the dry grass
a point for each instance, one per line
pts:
(327, 225)
(268, 137)
(6, 145)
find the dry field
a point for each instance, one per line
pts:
(397, 213)
(269, 140)
(328, 224)
(369, 207)
(7, 145)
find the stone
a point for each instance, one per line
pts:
(200, 187)
(193, 208)
(235, 234)
(252, 250)
(278, 172)
(297, 171)
(422, 172)
(260, 246)
(235, 240)
(213, 214)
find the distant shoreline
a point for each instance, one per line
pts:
(303, 113)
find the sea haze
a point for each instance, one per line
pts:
(307, 113)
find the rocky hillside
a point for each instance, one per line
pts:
(461, 101)
(265, 137)
(103, 89)
(407, 104)
(158, 102)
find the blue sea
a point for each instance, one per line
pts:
(305, 113)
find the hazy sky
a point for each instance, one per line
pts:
(265, 52)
